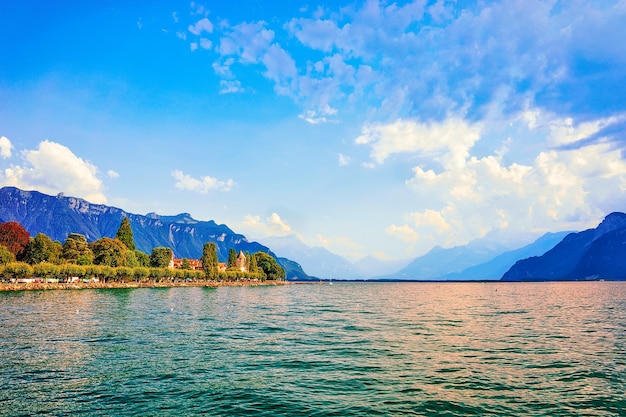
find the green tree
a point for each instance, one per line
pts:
(232, 257)
(131, 259)
(185, 264)
(76, 250)
(160, 257)
(209, 260)
(252, 267)
(109, 252)
(46, 270)
(143, 259)
(14, 237)
(6, 256)
(18, 270)
(42, 249)
(125, 234)
(270, 267)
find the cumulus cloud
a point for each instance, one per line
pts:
(6, 147)
(344, 160)
(469, 196)
(113, 174)
(203, 185)
(448, 142)
(272, 225)
(53, 168)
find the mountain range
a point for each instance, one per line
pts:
(58, 216)
(598, 253)
(590, 254)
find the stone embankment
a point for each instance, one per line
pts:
(99, 285)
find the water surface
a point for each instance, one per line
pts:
(321, 350)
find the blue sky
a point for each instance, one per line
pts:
(366, 127)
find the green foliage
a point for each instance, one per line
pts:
(131, 259)
(18, 270)
(186, 264)
(125, 234)
(252, 265)
(141, 274)
(76, 250)
(143, 259)
(209, 260)
(160, 257)
(232, 257)
(14, 237)
(123, 274)
(42, 249)
(46, 270)
(269, 266)
(157, 274)
(6, 256)
(110, 252)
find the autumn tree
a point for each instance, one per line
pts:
(125, 234)
(160, 257)
(109, 252)
(42, 249)
(209, 260)
(76, 250)
(14, 237)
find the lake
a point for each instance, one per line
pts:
(424, 349)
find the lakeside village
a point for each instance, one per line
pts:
(39, 260)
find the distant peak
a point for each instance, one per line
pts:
(613, 221)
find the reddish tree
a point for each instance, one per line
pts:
(14, 237)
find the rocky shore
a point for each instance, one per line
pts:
(38, 286)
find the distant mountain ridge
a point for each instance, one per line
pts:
(496, 267)
(590, 254)
(57, 216)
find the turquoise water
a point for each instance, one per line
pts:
(317, 350)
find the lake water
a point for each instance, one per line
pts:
(420, 349)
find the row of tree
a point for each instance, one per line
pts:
(119, 252)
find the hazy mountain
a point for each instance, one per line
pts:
(317, 261)
(371, 266)
(593, 253)
(439, 262)
(58, 216)
(496, 267)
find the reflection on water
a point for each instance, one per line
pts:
(346, 349)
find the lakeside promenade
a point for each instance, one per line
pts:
(37, 286)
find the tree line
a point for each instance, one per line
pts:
(115, 259)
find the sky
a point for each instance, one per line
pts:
(366, 127)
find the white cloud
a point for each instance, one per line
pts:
(113, 174)
(447, 142)
(193, 46)
(230, 86)
(53, 168)
(404, 232)
(270, 226)
(205, 43)
(320, 115)
(202, 185)
(344, 160)
(6, 147)
(202, 25)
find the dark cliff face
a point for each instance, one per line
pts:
(57, 216)
(591, 254)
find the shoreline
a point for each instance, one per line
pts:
(40, 286)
